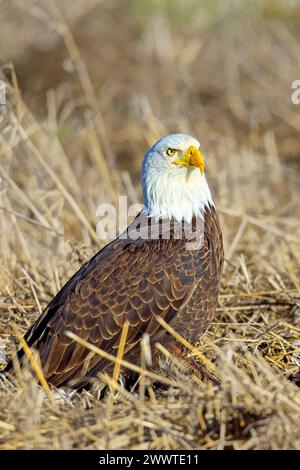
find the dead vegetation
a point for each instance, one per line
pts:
(90, 88)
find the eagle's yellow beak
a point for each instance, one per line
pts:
(193, 158)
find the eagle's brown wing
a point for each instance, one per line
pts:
(126, 280)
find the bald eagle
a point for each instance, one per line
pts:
(168, 263)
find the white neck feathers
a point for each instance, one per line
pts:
(176, 193)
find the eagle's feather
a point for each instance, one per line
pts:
(135, 280)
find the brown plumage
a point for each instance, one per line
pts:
(140, 278)
(164, 278)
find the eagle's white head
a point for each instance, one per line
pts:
(173, 178)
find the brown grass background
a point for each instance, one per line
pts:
(90, 86)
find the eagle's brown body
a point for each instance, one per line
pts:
(134, 280)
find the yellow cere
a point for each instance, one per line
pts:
(193, 158)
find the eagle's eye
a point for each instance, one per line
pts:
(171, 152)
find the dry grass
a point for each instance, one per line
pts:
(85, 103)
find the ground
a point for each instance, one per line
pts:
(90, 85)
